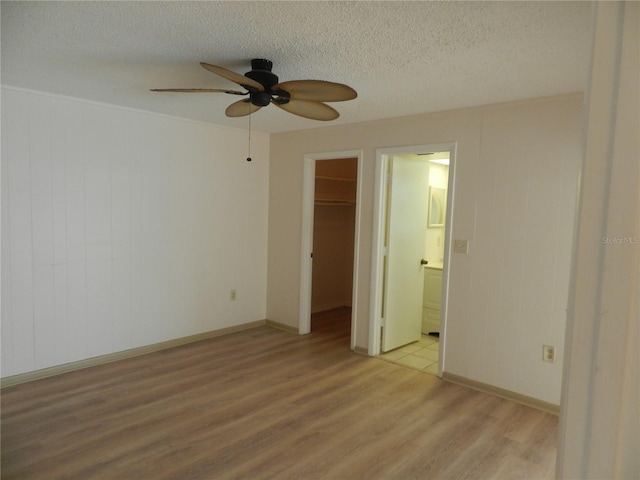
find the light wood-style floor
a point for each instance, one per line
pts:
(266, 404)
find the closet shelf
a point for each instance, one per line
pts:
(335, 179)
(333, 201)
(335, 190)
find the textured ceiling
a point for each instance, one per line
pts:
(403, 58)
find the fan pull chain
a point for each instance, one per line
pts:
(249, 157)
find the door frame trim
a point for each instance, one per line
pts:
(306, 264)
(377, 247)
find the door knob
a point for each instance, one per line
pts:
(424, 262)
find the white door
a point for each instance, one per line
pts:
(407, 226)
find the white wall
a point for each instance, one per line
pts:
(600, 415)
(515, 183)
(122, 229)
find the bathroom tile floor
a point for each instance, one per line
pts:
(421, 355)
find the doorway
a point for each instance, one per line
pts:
(331, 207)
(412, 232)
(333, 234)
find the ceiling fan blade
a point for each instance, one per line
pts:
(317, 90)
(241, 108)
(199, 90)
(246, 82)
(307, 109)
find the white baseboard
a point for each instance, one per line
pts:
(502, 393)
(133, 352)
(361, 350)
(282, 326)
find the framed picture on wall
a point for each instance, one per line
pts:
(437, 199)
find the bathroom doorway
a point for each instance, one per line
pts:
(412, 223)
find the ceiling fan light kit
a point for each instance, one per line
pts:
(304, 98)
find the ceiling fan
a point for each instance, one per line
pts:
(301, 97)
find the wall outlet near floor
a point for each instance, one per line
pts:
(233, 294)
(548, 353)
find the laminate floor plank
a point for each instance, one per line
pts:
(266, 404)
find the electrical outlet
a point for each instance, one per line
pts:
(461, 246)
(548, 353)
(233, 294)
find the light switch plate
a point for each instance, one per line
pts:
(461, 246)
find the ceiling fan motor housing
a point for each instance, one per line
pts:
(261, 73)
